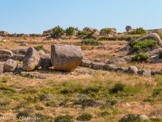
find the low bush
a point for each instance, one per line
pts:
(141, 57)
(91, 42)
(70, 31)
(40, 47)
(142, 46)
(139, 31)
(83, 33)
(85, 117)
(130, 118)
(118, 87)
(4, 79)
(66, 118)
(106, 31)
(160, 54)
(156, 92)
(23, 114)
(44, 118)
(57, 32)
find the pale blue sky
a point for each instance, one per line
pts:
(35, 16)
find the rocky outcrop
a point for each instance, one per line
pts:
(10, 65)
(31, 60)
(21, 51)
(117, 60)
(66, 57)
(6, 52)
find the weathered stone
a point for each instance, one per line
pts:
(21, 51)
(45, 62)
(132, 69)
(146, 73)
(23, 44)
(41, 52)
(116, 60)
(121, 69)
(128, 28)
(98, 66)
(86, 63)
(4, 57)
(66, 57)
(30, 75)
(153, 36)
(1, 69)
(110, 67)
(10, 65)
(6, 52)
(31, 60)
(143, 117)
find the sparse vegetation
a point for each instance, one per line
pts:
(66, 118)
(117, 88)
(141, 57)
(90, 42)
(85, 117)
(39, 47)
(139, 31)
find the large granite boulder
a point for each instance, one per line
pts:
(10, 65)
(31, 60)
(66, 57)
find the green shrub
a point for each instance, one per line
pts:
(160, 54)
(139, 31)
(43, 118)
(57, 32)
(156, 92)
(85, 117)
(70, 31)
(142, 46)
(90, 42)
(118, 87)
(4, 79)
(130, 118)
(83, 33)
(107, 31)
(141, 57)
(40, 47)
(66, 118)
(23, 114)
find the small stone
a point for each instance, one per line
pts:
(132, 70)
(143, 117)
(10, 65)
